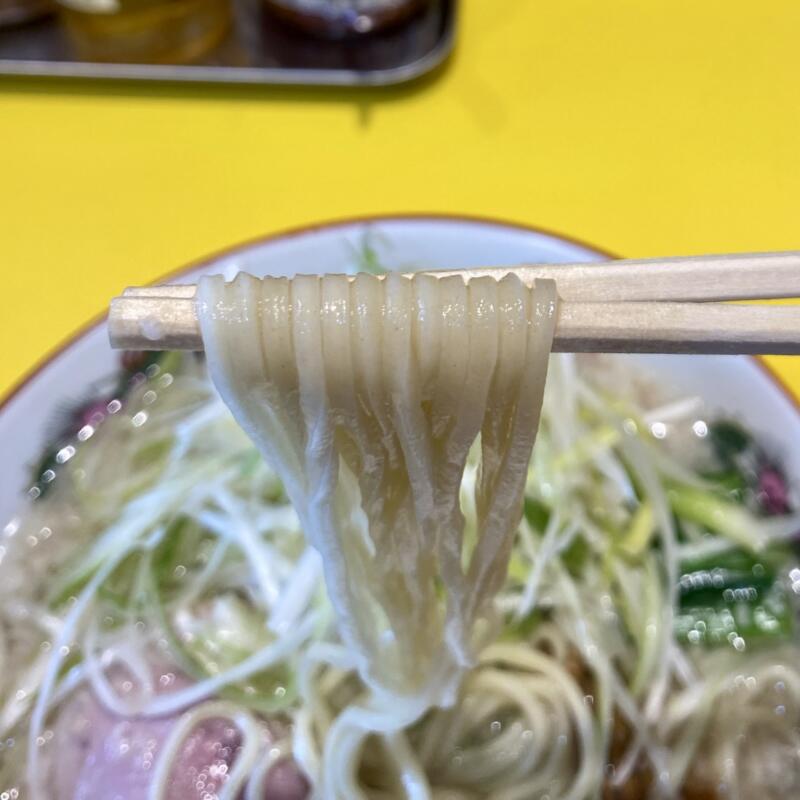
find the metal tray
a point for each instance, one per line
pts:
(259, 49)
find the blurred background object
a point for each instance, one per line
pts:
(17, 12)
(315, 42)
(337, 18)
(145, 31)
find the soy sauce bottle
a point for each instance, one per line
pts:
(18, 12)
(335, 19)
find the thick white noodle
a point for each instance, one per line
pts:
(366, 396)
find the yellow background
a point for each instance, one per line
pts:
(646, 127)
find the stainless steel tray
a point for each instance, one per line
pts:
(259, 49)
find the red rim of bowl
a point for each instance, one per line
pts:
(304, 230)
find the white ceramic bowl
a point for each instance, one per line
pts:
(736, 384)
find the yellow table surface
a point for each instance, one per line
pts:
(647, 128)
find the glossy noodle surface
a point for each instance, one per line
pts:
(367, 395)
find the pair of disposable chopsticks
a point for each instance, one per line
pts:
(651, 306)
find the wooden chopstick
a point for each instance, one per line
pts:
(692, 328)
(741, 276)
(744, 276)
(650, 306)
(159, 323)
